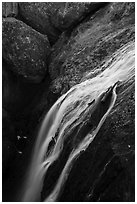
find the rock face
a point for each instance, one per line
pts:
(53, 18)
(9, 9)
(107, 170)
(84, 36)
(24, 49)
(88, 46)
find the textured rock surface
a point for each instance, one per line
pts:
(53, 18)
(24, 49)
(90, 44)
(110, 158)
(105, 171)
(9, 9)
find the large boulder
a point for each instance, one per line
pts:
(90, 44)
(53, 18)
(24, 49)
(107, 168)
(105, 172)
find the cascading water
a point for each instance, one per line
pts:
(81, 111)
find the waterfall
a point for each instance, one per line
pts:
(81, 111)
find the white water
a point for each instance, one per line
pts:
(70, 110)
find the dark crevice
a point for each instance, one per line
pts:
(58, 31)
(84, 18)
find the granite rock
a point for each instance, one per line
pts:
(24, 49)
(90, 44)
(53, 18)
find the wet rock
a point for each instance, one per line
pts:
(9, 9)
(120, 124)
(89, 45)
(121, 10)
(25, 50)
(53, 18)
(119, 131)
(107, 170)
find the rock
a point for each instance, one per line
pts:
(107, 168)
(89, 45)
(105, 171)
(121, 10)
(53, 18)
(120, 124)
(69, 14)
(25, 50)
(9, 9)
(118, 130)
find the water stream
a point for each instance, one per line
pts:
(81, 111)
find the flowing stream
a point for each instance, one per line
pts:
(81, 111)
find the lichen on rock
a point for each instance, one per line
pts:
(90, 44)
(24, 49)
(52, 18)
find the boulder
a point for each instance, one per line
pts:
(90, 44)
(24, 49)
(53, 18)
(105, 171)
(107, 166)
(117, 134)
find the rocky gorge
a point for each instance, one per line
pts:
(60, 60)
